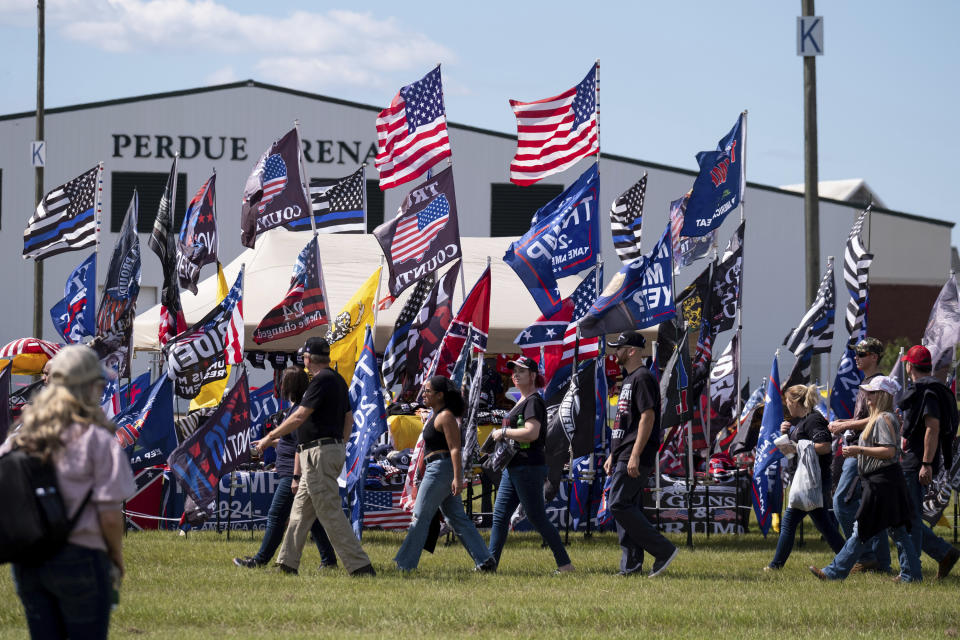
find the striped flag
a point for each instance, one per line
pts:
(415, 232)
(816, 326)
(304, 306)
(626, 218)
(381, 509)
(553, 133)
(65, 219)
(412, 132)
(163, 243)
(337, 205)
(395, 353)
(582, 298)
(856, 268)
(687, 249)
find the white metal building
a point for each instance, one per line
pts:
(227, 127)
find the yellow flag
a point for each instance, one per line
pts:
(212, 393)
(347, 328)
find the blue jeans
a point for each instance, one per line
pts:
(634, 530)
(435, 493)
(924, 539)
(523, 484)
(855, 548)
(877, 549)
(277, 523)
(788, 529)
(67, 596)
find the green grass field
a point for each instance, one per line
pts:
(188, 587)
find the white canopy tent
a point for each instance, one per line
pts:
(348, 260)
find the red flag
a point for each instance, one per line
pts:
(474, 311)
(304, 307)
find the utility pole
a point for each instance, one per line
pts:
(811, 194)
(38, 176)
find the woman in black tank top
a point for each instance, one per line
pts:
(442, 481)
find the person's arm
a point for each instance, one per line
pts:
(347, 425)
(451, 431)
(881, 452)
(838, 426)
(295, 481)
(644, 429)
(822, 448)
(527, 433)
(931, 438)
(111, 524)
(292, 423)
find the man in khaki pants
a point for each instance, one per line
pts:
(323, 422)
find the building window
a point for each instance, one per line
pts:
(374, 205)
(150, 187)
(512, 206)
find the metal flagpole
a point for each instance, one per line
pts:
(303, 179)
(743, 192)
(830, 353)
(597, 107)
(38, 175)
(363, 193)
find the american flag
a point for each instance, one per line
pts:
(412, 132)
(626, 218)
(583, 297)
(704, 350)
(274, 179)
(553, 133)
(337, 205)
(816, 326)
(382, 509)
(416, 231)
(856, 273)
(65, 219)
(395, 353)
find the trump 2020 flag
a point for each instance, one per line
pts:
(563, 240)
(274, 193)
(304, 307)
(215, 449)
(145, 429)
(719, 186)
(412, 132)
(640, 295)
(74, 316)
(843, 395)
(122, 286)
(766, 453)
(425, 234)
(198, 242)
(369, 415)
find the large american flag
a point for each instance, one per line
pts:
(274, 179)
(415, 232)
(626, 218)
(553, 133)
(382, 509)
(65, 219)
(412, 132)
(856, 273)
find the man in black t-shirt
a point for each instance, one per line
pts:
(928, 406)
(633, 449)
(323, 422)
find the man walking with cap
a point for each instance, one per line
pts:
(323, 422)
(633, 449)
(929, 409)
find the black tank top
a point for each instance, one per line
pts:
(433, 440)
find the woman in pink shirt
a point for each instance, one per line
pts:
(69, 595)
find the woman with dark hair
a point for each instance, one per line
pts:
(293, 384)
(442, 481)
(522, 480)
(69, 594)
(801, 401)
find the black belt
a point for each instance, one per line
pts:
(319, 442)
(436, 455)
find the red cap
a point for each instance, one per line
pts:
(918, 355)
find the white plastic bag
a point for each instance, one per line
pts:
(805, 492)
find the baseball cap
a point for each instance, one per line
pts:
(881, 383)
(918, 355)
(525, 362)
(869, 345)
(317, 347)
(629, 339)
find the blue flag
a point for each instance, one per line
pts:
(718, 188)
(146, 430)
(74, 317)
(640, 295)
(846, 385)
(369, 421)
(563, 240)
(767, 454)
(263, 404)
(130, 392)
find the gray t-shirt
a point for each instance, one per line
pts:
(885, 433)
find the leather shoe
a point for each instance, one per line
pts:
(946, 565)
(819, 574)
(366, 570)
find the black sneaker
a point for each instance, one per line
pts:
(248, 562)
(661, 564)
(946, 565)
(366, 570)
(282, 568)
(489, 566)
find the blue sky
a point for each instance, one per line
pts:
(674, 75)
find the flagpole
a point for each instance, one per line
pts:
(830, 353)
(303, 180)
(656, 466)
(363, 191)
(376, 298)
(38, 173)
(597, 101)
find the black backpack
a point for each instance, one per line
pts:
(35, 524)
